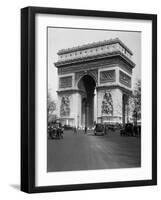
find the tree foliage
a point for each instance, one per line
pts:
(137, 100)
(51, 105)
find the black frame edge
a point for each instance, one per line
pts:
(91, 13)
(154, 99)
(24, 100)
(27, 100)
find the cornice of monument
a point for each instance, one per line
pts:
(93, 45)
(95, 57)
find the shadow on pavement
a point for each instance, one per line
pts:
(15, 186)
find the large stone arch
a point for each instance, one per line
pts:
(110, 65)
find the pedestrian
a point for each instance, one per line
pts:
(106, 129)
(85, 130)
(135, 130)
(75, 131)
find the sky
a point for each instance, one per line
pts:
(62, 38)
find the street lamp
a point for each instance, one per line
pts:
(78, 121)
(135, 116)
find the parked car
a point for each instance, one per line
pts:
(137, 130)
(99, 129)
(131, 130)
(55, 131)
(127, 130)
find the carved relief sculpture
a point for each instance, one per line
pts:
(107, 104)
(65, 106)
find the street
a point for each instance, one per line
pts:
(79, 151)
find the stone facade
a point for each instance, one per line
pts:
(95, 83)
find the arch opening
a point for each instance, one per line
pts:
(87, 86)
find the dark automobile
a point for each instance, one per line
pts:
(55, 131)
(99, 129)
(137, 130)
(127, 130)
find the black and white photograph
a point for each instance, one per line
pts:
(89, 112)
(93, 99)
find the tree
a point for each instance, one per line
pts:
(137, 101)
(134, 102)
(51, 105)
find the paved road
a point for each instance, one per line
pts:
(85, 152)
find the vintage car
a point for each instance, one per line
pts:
(137, 130)
(55, 131)
(131, 130)
(99, 129)
(127, 130)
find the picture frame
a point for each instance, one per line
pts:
(29, 51)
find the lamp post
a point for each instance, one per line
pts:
(78, 121)
(135, 117)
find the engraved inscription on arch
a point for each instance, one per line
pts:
(65, 82)
(107, 76)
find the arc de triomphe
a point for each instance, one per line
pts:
(95, 81)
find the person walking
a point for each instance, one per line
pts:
(75, 130)
(106, 129)
(85, 130)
